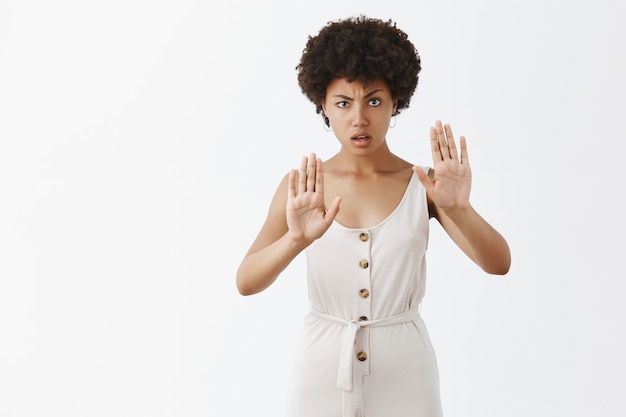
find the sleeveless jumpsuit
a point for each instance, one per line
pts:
(364, 350)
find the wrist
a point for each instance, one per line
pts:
(458, 212)
(297, 242)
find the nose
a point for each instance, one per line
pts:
(360, 115)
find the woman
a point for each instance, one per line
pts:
(362, 217)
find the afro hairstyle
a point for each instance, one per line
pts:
(359, 49)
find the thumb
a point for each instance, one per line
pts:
(423, 177)
(331, 213)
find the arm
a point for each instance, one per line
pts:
(448, 188)
(477, 239)
(297, 216)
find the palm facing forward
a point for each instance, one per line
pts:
(307, 217)
(450, 187)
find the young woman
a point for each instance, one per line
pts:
(362, 217)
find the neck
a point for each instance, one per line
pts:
(382, 160)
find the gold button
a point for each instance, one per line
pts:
(364, 237)
(364, 293)
(363, 318)
(361, 356)
(364, 263)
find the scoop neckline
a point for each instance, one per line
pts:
(389, 216)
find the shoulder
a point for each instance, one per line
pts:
(280, 195)
(401, 168)
(275, 224)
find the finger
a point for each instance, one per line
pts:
(291, 184)
(451, 145)
(319, 177)
(441, 139)
(464, 156)
(302, 175)
(424, 178)
(434, 145)
(311, 173)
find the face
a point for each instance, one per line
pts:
(359, 113)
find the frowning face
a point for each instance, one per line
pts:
(359, 114)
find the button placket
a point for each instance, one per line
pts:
(364, 296)
(364, 265)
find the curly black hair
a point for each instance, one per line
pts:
(359, 49)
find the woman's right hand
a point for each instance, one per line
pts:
(307, 216)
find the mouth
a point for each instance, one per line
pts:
(360, 139)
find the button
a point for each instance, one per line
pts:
(364, 293)
(363, 318)
(361, 356)
(364, 237)
(364, 263)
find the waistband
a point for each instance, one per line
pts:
(346, 358)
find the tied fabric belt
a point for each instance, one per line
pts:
(345, 377)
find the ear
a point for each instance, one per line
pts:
(395, 107)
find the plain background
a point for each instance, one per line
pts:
(141, 143)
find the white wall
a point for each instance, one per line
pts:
(141, 142)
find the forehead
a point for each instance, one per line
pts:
(355, 88)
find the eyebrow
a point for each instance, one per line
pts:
(368, 95)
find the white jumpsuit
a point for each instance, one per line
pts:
(364, 350)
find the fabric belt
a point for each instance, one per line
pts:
(345, 376)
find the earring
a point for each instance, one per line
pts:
(392, 124)
(326, 121)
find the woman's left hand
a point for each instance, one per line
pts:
(450, 186)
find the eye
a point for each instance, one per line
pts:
(343, 104)
(374, 102)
